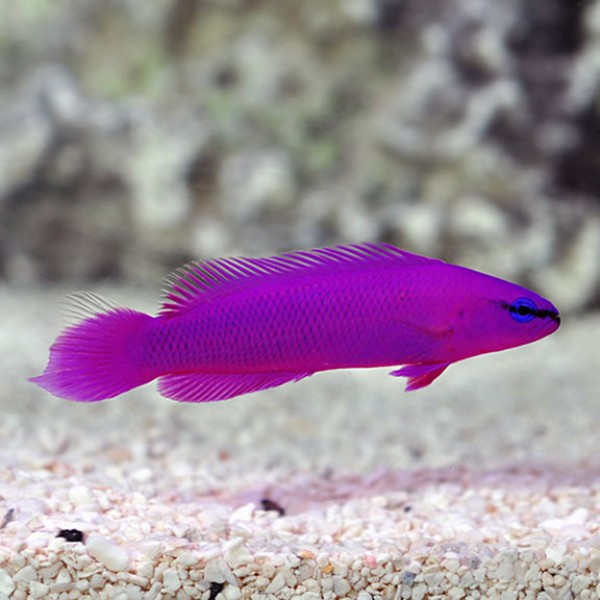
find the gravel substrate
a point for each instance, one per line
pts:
(486, 485)
(421, 534)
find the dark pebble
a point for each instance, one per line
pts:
(268, 504)
(71, 535)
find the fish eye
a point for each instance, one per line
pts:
(522, 310)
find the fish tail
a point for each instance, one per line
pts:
(98, 356)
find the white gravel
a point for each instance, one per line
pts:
(486, 485)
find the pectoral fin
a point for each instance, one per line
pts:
(420, 376)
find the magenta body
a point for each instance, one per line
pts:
(330, 322)
(229, 327)
(385, 317)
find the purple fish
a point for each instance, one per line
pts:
(237, 325)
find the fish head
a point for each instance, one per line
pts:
(497, 315)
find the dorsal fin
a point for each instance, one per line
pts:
(200, 281)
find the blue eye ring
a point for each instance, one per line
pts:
(523, 310)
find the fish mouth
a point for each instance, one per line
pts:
(551, 321)
(547, 321)
(545, 325)
(548, 313)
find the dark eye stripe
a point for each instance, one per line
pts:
(538, 313)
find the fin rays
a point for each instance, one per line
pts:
(85, 305)
(420, 375)
(207, 387)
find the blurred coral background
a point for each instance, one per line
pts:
(136, 135)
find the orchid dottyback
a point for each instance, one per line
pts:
(232, 326)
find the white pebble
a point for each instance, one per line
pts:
(217, 571)
(213, 573)
(171, 580)
(27, 508)
(456, 593)
(134, 593)
(7, 585)
(570, 563)
(109, 554)
(276, 585)
(187, 559)
(236, 554)
(38, 590)
(579, 516)
(142, 475)
(555, 554)
(151, 549)
(232, 592)
(146, 570)
(556, 524)
(39, 539)
(580, 583)
(419, 591)
(505, 571)
(26, 574)
(80, 495)
(97, 581)
(63, 576)
(340, 586)
(243, 513)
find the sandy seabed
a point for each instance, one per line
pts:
(485, 485)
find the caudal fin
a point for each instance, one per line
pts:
(95, 358)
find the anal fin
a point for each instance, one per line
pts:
(420, 376)
(208, 387)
